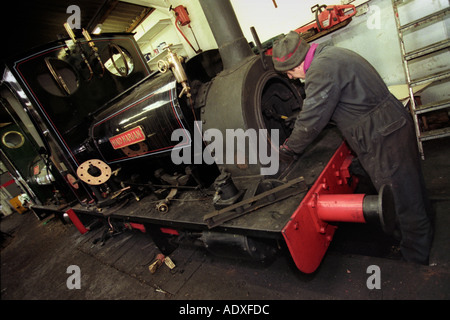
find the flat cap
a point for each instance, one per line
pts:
(289, 51)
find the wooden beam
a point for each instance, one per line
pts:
(102, 13)
(144, 14)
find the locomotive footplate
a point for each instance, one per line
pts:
(317, 192)
(188, 209)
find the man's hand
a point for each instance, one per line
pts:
(287, 153)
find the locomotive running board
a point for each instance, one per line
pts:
(218, 217)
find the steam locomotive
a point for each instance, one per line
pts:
(90, 137)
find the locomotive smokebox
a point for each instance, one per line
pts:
(247, 94)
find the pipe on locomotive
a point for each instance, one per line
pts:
(233, 47)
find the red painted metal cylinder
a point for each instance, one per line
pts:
(182, 15)
(76, 221)
(340, 207)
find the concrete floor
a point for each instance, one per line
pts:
(36, 255)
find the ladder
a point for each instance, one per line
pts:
(407, 57)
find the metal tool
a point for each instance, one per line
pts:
(259, 46)
(326, 19)
(163, 205)
(91, 43)
(74, 39)
(218, 217)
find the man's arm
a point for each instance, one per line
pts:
(322, 97)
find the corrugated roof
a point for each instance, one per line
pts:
(124, 17)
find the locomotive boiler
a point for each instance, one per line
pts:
(102, 125)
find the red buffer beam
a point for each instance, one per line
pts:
(310, 231)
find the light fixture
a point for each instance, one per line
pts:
(97, 29)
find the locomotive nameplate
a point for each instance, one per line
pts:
(127, 138)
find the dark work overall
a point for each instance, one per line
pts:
(343, 87)
(384, 141)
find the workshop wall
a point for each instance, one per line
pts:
(171, 35)
(270, 21)
(372, 32)
(199, 25)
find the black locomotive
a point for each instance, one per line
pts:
(89, 133)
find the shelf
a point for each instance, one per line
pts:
(415, 84)
(153, 31)
(431, 78)
(401, 91)
(424, 20)
(401, 2)
(433, 106)
(175, 48)
(434, 134)
(432, 48)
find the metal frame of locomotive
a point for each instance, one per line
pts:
(97, 123)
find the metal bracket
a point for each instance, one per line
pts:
(200, 99)
(218, 217)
